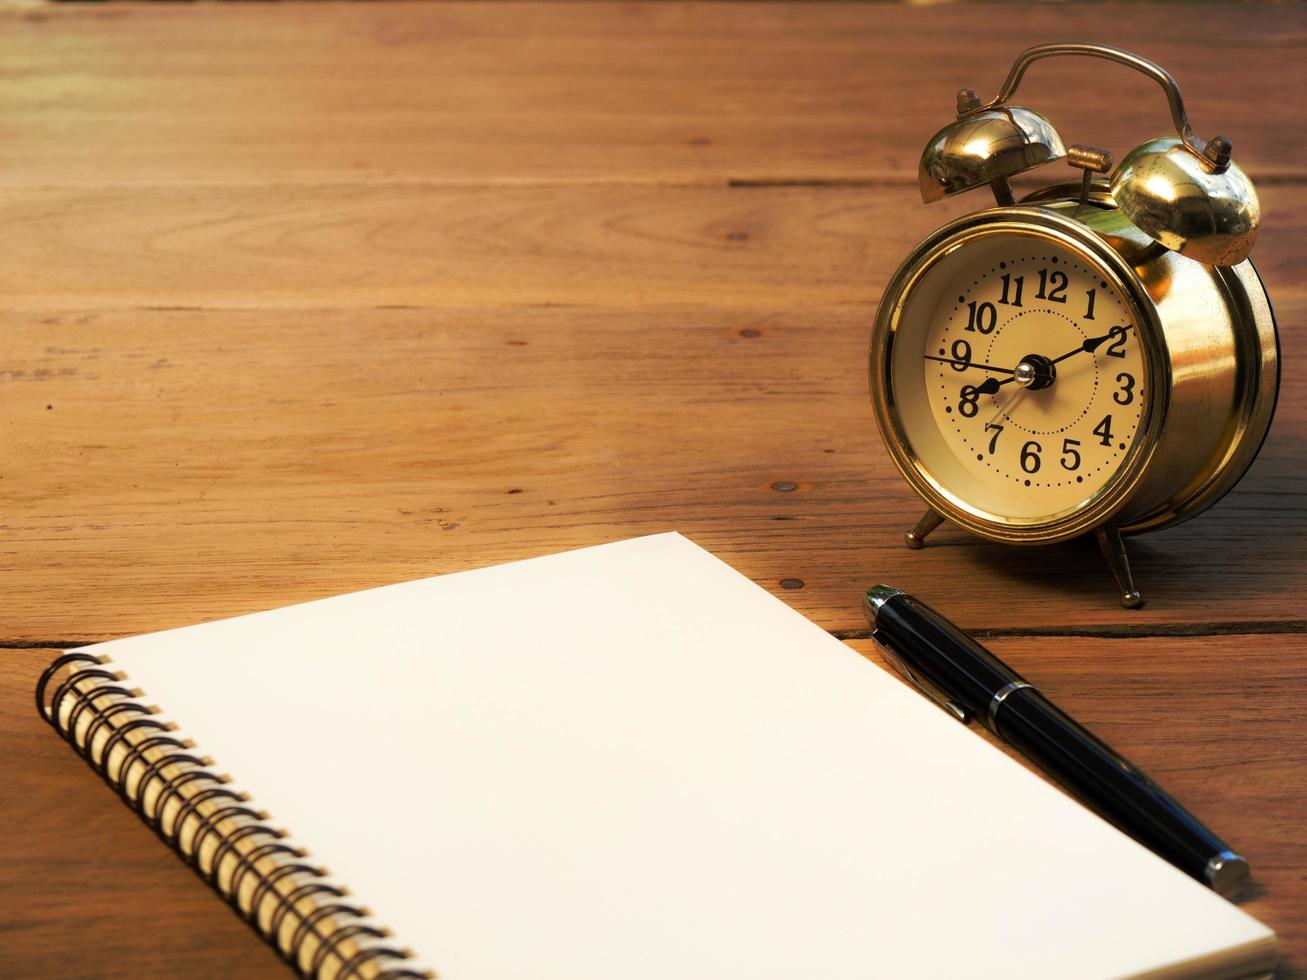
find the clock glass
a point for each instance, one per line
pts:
(1019, 378)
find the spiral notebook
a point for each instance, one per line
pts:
(626, 761)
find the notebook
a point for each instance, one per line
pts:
(617, 763)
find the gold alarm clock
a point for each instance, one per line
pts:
(1100, 356)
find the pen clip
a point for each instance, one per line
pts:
(958, 711)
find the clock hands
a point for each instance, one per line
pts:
(1034, 372)
(1090, 345)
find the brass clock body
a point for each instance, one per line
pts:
(1098, 358)
(1209, 339)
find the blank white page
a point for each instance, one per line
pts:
(629, 761)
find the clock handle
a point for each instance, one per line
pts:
(1113, 548)
(1208, 152)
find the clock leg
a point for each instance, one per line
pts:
(1113, 548)
(917, 536)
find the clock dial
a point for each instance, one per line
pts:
(1033, 377)
(1036, 380)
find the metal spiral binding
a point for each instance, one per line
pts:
(281, 884)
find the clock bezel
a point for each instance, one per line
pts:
(1100, 506)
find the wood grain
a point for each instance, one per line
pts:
(153, 93)
(315, 247)
(305, 298)
(195, 464)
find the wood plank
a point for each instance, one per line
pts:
(160, 94)
(301, 301)
(763, 248)
(162, 467)
(1228, 738)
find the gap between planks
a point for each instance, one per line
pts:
(1117, 631)
(1108, 632)
(1277, 177)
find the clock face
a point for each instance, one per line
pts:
(1019, 377)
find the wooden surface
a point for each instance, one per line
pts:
(299, 299)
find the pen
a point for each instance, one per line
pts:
(969, 682)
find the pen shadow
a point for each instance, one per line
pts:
(1250, 892)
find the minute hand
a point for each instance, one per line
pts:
(970, 364)
(1092, 344)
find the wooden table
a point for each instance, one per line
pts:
(300, 299)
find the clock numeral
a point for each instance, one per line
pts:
(961, 355)
(1089, 311)
(993, 440)
(1104, 430)
(1052, 286)
(1019, 281)
(982, 317)
(1070, 455)
(1030, 456)
(967, 398)
(1117, 347)
(1127, 393)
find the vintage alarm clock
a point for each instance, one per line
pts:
(1098, 357)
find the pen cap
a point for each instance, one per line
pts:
(933, 649)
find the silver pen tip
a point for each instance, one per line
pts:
(875, 597)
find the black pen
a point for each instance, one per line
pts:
(970, 682)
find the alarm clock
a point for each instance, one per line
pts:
(1098, 357)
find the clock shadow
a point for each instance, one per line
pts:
(1227, 564)
(1073, 570)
